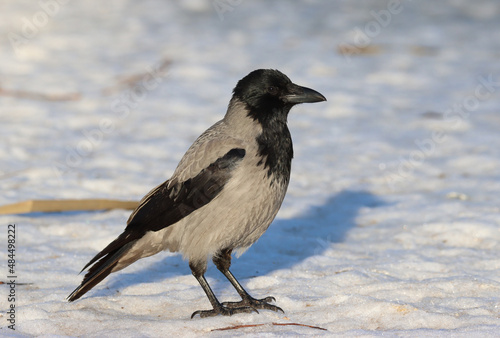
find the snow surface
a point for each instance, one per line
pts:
(391, 222)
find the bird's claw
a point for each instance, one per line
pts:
(247, 305)
(224, 311)
(255, 304)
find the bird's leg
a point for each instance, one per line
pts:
(223, 261)
(198, 271)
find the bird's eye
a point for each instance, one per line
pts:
(272, 90)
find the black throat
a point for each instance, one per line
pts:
(275, 144)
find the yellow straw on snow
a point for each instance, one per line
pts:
(65, 205)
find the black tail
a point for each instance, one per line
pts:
(100, 270)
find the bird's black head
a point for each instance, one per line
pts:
(269, 94)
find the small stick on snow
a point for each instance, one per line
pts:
(275, 324)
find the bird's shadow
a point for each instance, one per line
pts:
(286, 243)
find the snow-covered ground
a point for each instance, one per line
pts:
(391, 224)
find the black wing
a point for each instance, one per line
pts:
(163, 206)
(168, 205)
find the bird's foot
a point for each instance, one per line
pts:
(254, 304)
(224, 311)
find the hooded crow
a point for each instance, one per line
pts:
(223, 195)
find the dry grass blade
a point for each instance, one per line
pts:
(134, 79)
(40, 96)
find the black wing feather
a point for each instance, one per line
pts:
(163, 207)
(98, 272)
(167, 206)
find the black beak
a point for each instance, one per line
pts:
(297, 94)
